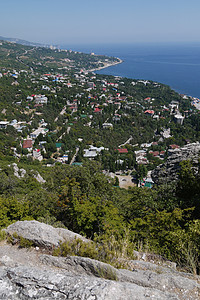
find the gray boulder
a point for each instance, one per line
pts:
(42, 234)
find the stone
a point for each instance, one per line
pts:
(29, 274)
(41, 234)
(168, 171)
(33, 283)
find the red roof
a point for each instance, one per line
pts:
(97, 109)
(123, 150)
(174, 146)
(150, 112)
(155, 153)
(27, 144)
(162, 152)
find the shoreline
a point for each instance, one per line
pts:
(176, 90)
(107, 65)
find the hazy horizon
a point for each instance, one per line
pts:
(111, 22)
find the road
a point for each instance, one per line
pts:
(61, 113)
(21, 61)
(74, 157)
(127, 142)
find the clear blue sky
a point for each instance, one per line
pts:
(101, 21)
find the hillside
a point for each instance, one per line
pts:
(71, 139)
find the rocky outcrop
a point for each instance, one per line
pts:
(41, 234)
(168, 171)
(20, 173)
(31, 274)
(33, 283)
(38, 177)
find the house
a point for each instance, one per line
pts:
(92, 152)
(146, 145)
(13, 122)
(46, 88)
(91, 85)
(179, 118)
(41, 99)
(141, 157)
(174, 146)
(3, 124)
(174, 105)
(162, 154)
(37, 154)
(117, 117)
(122, 151)
(58, 146)
(166, 133)
(97, 110)
(27, 144)
(155, 153)
(29, 98)
(107, 125)
(149, 112)
(148, 182)
(63, 159)
(35, 133)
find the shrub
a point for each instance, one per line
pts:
(2, 235)
(19, 240)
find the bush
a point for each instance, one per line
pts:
(19, 240)
(2, 235)
(105, 248)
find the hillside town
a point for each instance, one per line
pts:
(113, 159)
(64, 117)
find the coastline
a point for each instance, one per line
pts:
(107, 65)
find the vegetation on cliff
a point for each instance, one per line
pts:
(163, 220)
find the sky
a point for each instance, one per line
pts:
(101, 21)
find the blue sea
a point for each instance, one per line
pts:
(177, 65)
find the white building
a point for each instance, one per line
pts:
(92, 152)
(3, 124)
(179, 119)
(35, 133)
(37, 154)
(107, 125)
(41, 99)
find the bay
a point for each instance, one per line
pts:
(177, 65)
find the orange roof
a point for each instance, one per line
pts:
(27, 144)
(151, 112)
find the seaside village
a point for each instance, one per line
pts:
(94, 98)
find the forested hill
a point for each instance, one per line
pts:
(21, 42)
(43, 59)
(71, 141)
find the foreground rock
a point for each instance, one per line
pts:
(32, 283)
(168, 171)
(42, 234)
(31, 274)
